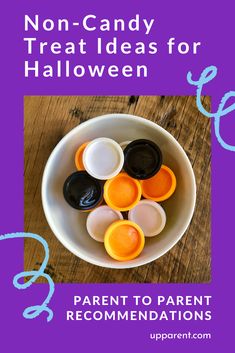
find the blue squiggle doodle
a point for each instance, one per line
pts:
(34, 311)
(207, 75)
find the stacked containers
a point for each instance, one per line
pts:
(144, 175)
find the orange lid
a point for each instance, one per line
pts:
(78, 156)
(124, 240)
(122, 192)
(161, 186)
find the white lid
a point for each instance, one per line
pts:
(150, 216)
(99, 220)
(103, 158)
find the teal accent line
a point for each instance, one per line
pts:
(33, 311)
(206, 76)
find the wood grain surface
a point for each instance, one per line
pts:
(48, 119)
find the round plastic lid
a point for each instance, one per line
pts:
(122, 192)
(82, 192)
(79, 155)
(124, 144)
(142, 159)
(99, 220)
(103, 158)
(161, 186)
(124, 240)
(150, 216)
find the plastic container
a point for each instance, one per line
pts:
(82, 191)
(124, 240)
(79, 156)
(99, 220)
(124, 144)
(122, 192)
(161, 186)
(143, 159)
(150, 216)
(103, 158)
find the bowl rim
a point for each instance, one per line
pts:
(118, 265)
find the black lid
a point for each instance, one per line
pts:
(143, 159)
(82, 191)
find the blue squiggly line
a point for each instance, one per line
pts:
(206, 76)
(33, 311)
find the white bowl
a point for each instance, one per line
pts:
(69, 225)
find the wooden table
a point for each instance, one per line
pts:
(48, 119)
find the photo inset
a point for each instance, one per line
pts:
(119, 187)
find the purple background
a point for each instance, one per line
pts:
(206, 21)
